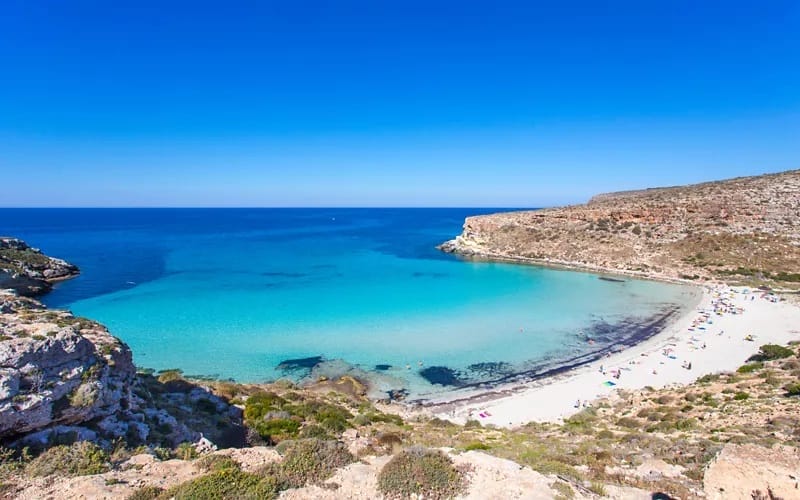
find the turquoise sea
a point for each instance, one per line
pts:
(260, 294)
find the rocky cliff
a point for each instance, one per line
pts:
(64, 378)
(58, 370)
(740, 229)
(28, 271)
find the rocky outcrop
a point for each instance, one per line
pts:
(64, 378)
(28, 271)
(748, 471)
(57, 370)
(740, 228)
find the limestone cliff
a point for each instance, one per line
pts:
(28, 271)
(64, 378)
(744, 228)
(57, 370)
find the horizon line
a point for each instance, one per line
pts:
(280, 207)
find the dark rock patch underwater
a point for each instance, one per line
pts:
(441, 375)
(293, 365)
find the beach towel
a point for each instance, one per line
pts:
(609, 383)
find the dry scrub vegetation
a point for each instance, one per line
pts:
(598, 448)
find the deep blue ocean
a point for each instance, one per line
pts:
(260, 294)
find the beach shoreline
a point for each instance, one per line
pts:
(658, 361)
(465, 251)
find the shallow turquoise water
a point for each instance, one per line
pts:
(232, 293)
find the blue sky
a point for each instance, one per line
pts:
(389, 103)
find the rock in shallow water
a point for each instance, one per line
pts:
(441, 375)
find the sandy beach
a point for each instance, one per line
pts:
(726, 327)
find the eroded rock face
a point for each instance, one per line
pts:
(28, 271)
(740, 227)
(739, 471)
(64, 378)
(56, 369)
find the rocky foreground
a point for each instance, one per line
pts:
(739, 230)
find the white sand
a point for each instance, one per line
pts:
(646, 364)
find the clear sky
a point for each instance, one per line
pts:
(377, 103)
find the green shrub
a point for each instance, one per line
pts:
(79, 459)
(186, 451)
(314, 431)
(605, 434)
(333, 418)
(165, 376)
(477, 445)
(309, 461)
(792, 389)
(389, 440)
(374, 416)
(750, 367)
(598, 489)
(261, 403)
(276, 430)
(768, 352)
(226, 484)
(582, 420)
(627, 422)
(215, 463)
(146, 493)
(711, 377)
(741, 396)
(426, 473)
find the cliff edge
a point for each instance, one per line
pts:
(65, 378)
(28, 271)
(743, 230)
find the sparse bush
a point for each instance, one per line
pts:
(711, 377)
(165, 376)
(186, 451)
(564, 490)
(215, 463)
(472, 424)
(792, 389)
(628, 423)
(750, 367)
(277, 429)
(768, 352)
(79, 459)
(226, 484)
(477, 445)
(792, 364)
(417, 471)
(314, 431)
(309, 461)
(261, 403)
(605, 434)
(598, 489)
(146, 493)
(389, 440)
(741, 396)
(581, 421)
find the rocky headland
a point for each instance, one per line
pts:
(743, 230)
(65, 378)
(28, 271)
